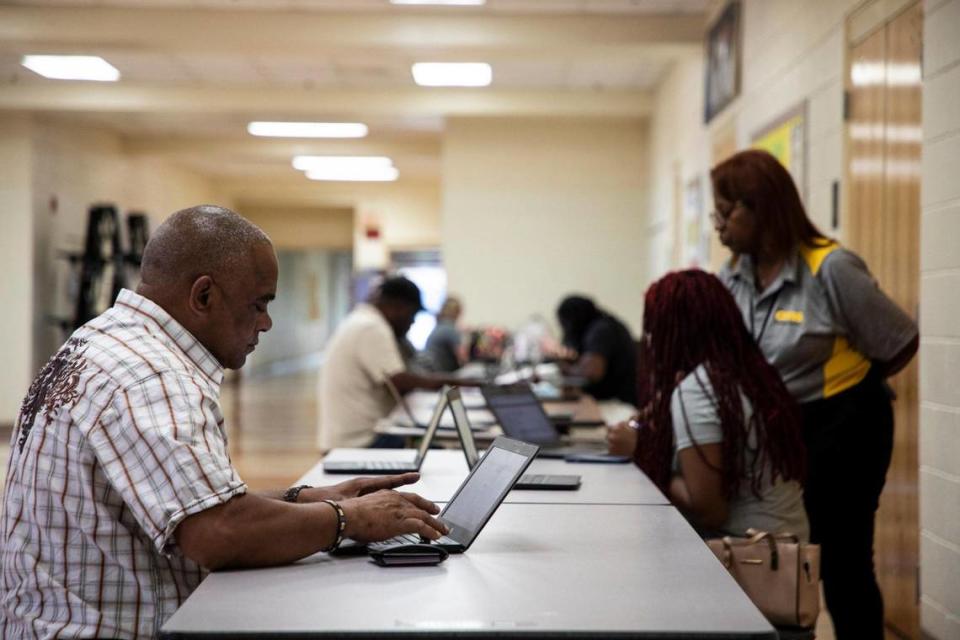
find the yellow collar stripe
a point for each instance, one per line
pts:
(814, 256)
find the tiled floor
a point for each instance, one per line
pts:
(271, 424)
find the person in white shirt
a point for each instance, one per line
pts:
(362, 355)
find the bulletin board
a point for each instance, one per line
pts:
(786, 139)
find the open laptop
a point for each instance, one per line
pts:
(521, 416)
(477, 498)
(529, 481)
(402, 403)
(484, 422)
(393, 466)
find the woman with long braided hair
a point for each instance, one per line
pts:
(719, 433)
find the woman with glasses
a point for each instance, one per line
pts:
(822, 321)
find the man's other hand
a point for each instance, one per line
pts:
(357, 487)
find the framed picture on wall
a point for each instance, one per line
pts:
(785, 137)
(722, 79)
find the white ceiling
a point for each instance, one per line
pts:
(491, 6)
(196, 71)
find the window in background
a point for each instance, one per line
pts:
(425, 269)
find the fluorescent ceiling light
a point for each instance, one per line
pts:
(452, 74)
(72, 67)
(349, 173)
(308, 129)
(347, 168)
(461, 3)
(308, 163)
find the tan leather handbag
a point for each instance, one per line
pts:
(779, 573)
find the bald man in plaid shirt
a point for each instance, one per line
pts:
(120, 494)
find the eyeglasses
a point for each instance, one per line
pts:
(719, 218)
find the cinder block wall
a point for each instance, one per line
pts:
(940, 324)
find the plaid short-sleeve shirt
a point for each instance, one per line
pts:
(119, 439)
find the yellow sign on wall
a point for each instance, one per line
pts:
(785, 139)
(779, 141)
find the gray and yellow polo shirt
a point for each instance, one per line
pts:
(822, 321)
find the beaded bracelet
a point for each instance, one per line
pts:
(341, 525)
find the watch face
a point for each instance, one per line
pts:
(291, 494)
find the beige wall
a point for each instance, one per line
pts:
(940, 329)
(291, 227)
(16, 263)
(678, 149)
(407, 211)
(160, 188)
(535, 209)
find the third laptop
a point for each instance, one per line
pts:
(529, 481)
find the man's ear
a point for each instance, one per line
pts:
(201, 295)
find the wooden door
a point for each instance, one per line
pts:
(884, 143)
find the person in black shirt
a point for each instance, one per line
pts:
(604, 348)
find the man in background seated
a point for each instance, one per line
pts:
(603, 350)
(120, 494)
(444, 348)
(361, 356)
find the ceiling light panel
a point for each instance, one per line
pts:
(72, 67)
(452, 74)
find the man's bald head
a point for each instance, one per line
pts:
(214, 273)
(201, 240)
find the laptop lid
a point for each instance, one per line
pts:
(401, 400)
(432, 426)
(481, 493)
(464, 430)
(520, 414)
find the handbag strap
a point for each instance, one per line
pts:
(761, 536)
(727, 551)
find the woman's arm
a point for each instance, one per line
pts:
(899, 361)
(697, 490)
(875, 325)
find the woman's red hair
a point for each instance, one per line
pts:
(690, 319)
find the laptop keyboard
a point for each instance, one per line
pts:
(536, 478)
(387, 464)
(410, 538)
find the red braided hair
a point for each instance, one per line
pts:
(689, 319)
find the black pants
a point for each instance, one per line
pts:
(849, 440)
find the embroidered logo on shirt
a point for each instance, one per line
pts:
(54, 387)
(787, 315)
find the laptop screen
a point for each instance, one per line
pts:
(520, 415)
(462, 422)
(400, 400)
(486, 487)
